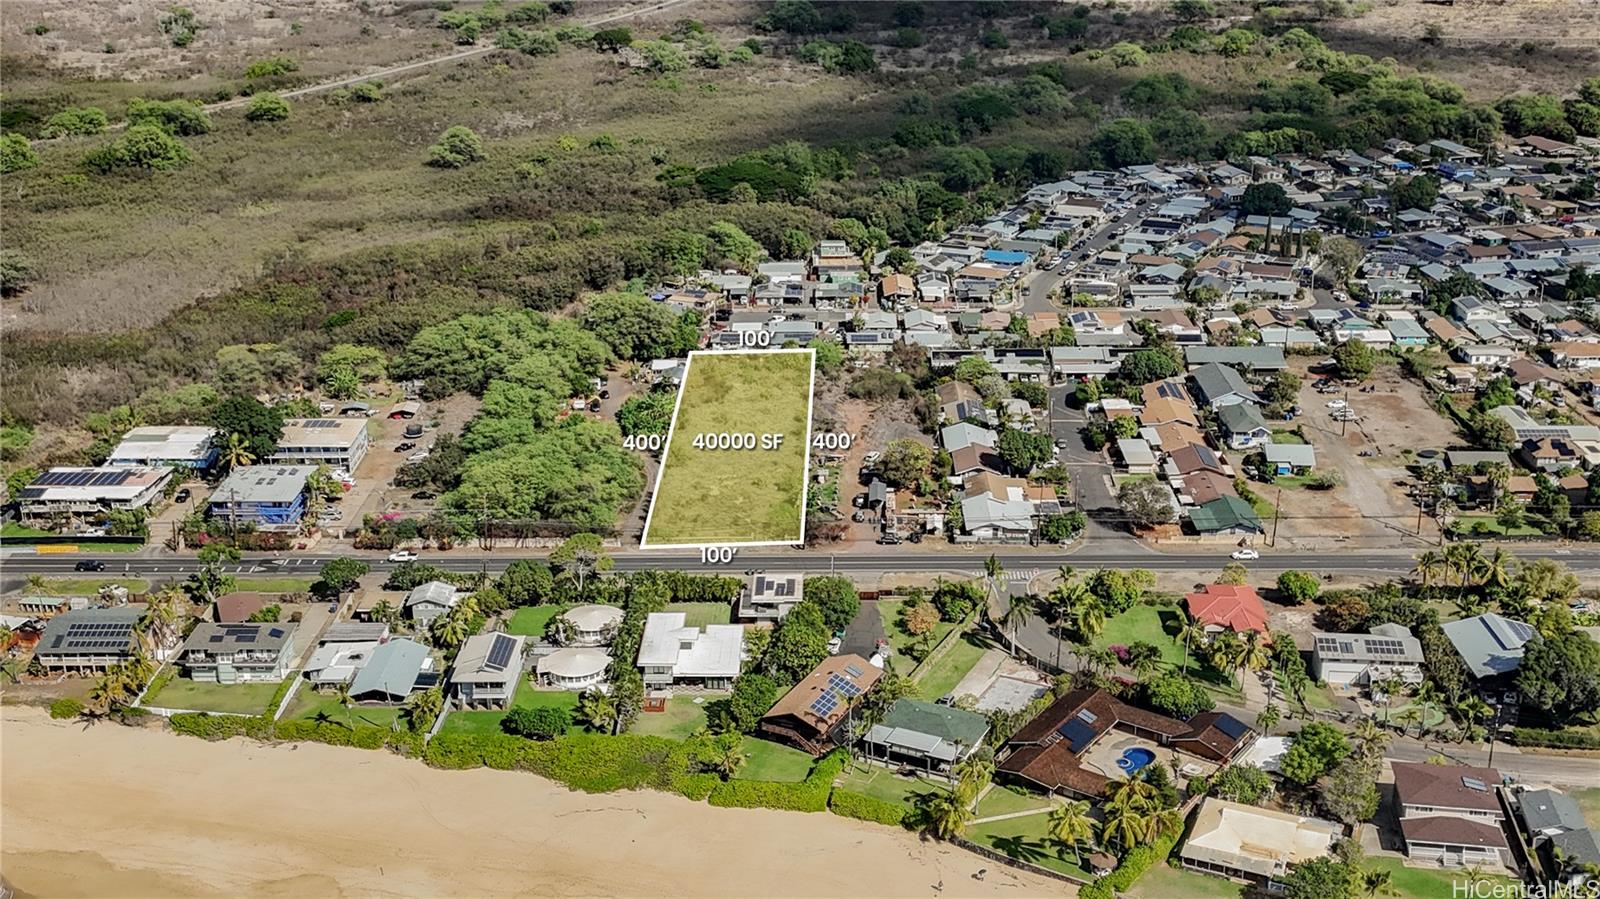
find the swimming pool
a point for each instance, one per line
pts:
(1134, 759)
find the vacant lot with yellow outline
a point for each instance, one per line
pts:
(733, 496)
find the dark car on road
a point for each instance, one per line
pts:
(90, 565)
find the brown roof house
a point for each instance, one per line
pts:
(1088, 737)
(1449, 814)
(811, 715)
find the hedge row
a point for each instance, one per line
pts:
(591, 763)
(866, 808)
(1555, 739)
(222, 727)
(809, 795)
(1138, 860)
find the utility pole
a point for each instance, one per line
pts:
(1276, 508)
(1344, 420)
(1494, 726)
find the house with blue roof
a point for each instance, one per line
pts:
(1007, 258)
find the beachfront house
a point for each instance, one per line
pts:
(487, 671)
(672, 653)
(238, 653)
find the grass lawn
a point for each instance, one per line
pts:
(700, 614)
(1149, 624)
(488, 722)
(1434, 719)
(529, 621)
(307, 703)
(743, 494)
(1429, 883)
(681, 719)
(1287, 437)
(1024, 839)
(182, 693)
(890, 611)
(881, 783)
(1163, 882)
(942, 676)
(1486, 524)
(277, 584)
(1003, 800)
(1589, 801)
(89, 586)
(1319, 696)
(765, 760)
(13, 529)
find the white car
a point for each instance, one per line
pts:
(418, 456)
(403, 555)
(1244, 555)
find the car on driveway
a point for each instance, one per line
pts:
(1244, 555)
(182, 496)
(403, 555)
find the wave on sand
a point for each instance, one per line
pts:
(122, 812)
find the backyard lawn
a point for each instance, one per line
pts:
(277, 584)
(700, 614)
(1430, 883)
(1024, 839)
(308, 704)
(88, 586)
(182, 693)
(1003, 800)
(1287, 437)
(1163, 882)
(890, 610)
(530, 621)
(487, 722)
(942, 676)
(881, 783)
(681, 719)
(765, 760)
(1149, 624)
(1589, 801)
(1487, 524)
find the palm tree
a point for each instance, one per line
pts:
(943, 814)
(1388, 687)
(1070, 825)
(1406, 717)
(341, 695)
(1496, 569)
(1429, 565)
(992, 569)
(37, 584)
(1427, 696)
(1143, 658)
(1257, 653)
(1227, 652)
(1089, 618)
(1065, 574)
(1022, 608)
(1371, 739)
(1474, 710)
(422, 708)
(598, 709)
(723, 755)
(1268, 718)
(1064, 603)
(1377, 882)
(384, 611)
(1100, 658)
(1124, 825)
(1469, 561)
(973, 774)
(1190, 631)
(237, 452)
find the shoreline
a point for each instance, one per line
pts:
(122, 811)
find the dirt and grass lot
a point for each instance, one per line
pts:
(723, 481)
(1027, 839)
(940, 677)
(881, 783)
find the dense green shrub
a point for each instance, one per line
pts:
(866, 808)
(66, 708)
(75, 120)
(458, 146)
(267, 107)
(207, 726)
(1556, 739)
(16, 154)
(141, 147)
(179, 117)
(1134, 864)
(332, 733)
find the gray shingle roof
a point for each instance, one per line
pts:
(1489, 644)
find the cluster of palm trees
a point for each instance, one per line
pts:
(453, 628)
(1072, 610)
(1134, 815)
(1465, 566)
(1468, 708)
(1230, 652)
(119, 684)
(599, 710)
(945, 813)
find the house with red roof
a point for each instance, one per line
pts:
(1226, 607)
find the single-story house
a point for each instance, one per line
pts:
(428, 601)
(1243, 426)
(1490, 644)
(929, 735)
(1226, 516)
(573, 667)
(1290, 458)
(391, 674)
(1258, 845)
(1228, 607)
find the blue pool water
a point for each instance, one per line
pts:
(1134, 759)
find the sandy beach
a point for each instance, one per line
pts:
(123, 812)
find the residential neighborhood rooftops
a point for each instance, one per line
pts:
(175, 443)
(392, 670)
(822, 698)
(89, 632)
(264, 484)
(1446, 786)
(321, 431)
(1490, 644)
(1228, 606)
(213, 637)
(1264, 842)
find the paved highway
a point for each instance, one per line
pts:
(1017, 561)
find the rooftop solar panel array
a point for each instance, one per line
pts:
(1231, 726)
(500, 652)
(82, 478)
(839, 690)
(95, 635)
(1079, 735)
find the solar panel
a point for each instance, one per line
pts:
(321, 423)
(852, 670)
(1087, 716)
(1078, 734)
(500, 652)
(1233, 727)
(1472, 783)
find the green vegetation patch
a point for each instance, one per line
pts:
(488, 722)
(310, 705)
(530, 621)
(683, 716)
(766, 760)
(734, 469)
(1027, 839)
(244, 699)
(942, 676)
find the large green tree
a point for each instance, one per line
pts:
(258, 427)
(638, 329)
(1561, 674)
(835, 597)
